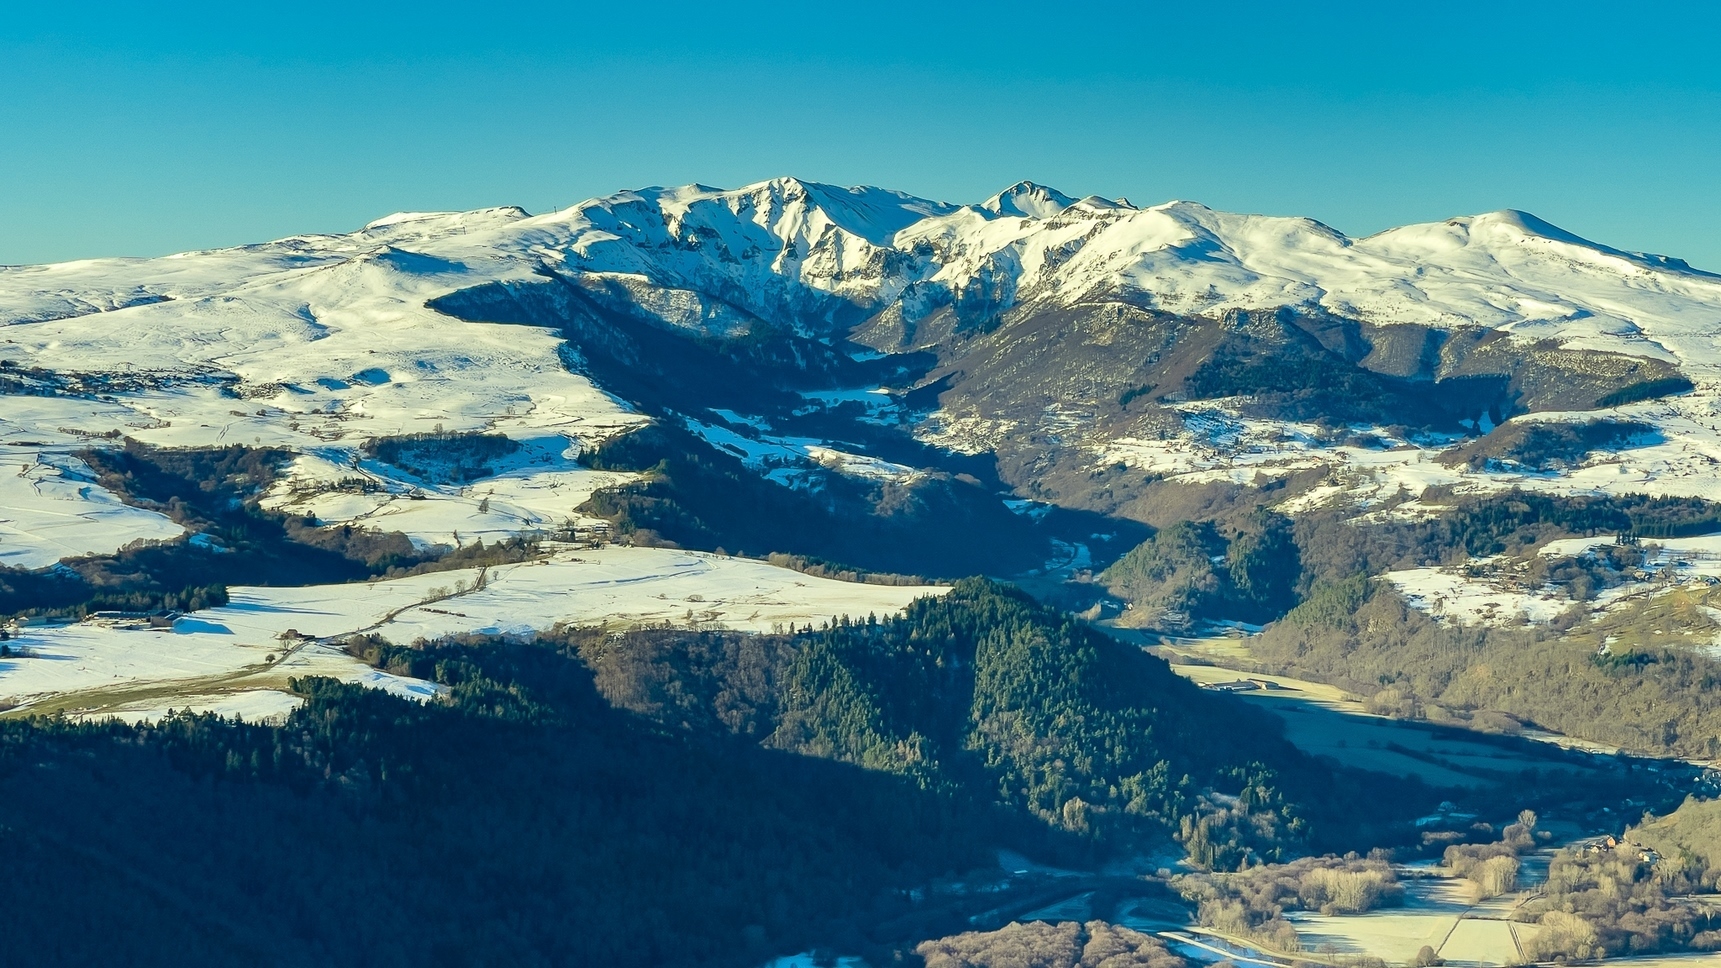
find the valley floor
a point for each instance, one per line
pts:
(1326, 721)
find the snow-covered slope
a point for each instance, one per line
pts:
(314, 344)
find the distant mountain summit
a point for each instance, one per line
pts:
(1032, 319)
(1028, 200)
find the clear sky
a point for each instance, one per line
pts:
(143, 129)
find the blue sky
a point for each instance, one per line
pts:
(144, 129)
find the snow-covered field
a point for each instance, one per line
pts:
(212, 655)
(1690, 557)
(1491, 591)
(1453, 595)
(251, 705)
(50, 508)
(1436, 914)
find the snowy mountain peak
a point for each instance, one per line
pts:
(873, 214)
(1528, 224)
(399, 217)
(788, 207)
(1099, 203)
(432, 220)
(1494, 235)
(1028, 200)
(1505, 225)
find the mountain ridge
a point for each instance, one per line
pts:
(787, 249)
(1072, 333)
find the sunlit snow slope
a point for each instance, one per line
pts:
(798, 253)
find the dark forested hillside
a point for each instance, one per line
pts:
(521, 825)
(742, 796)
(1194, 570)
(985, 690)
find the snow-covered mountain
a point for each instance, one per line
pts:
(1039, 326)
(784, 248)
(797, 253)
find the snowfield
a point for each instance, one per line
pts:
(264, 635)
(786, 460)
(51, 508)
(1451, 595)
